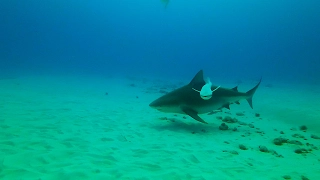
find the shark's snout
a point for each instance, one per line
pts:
(154, 105)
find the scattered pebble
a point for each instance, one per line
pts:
(260, 132)
(234, 129)
(251, 125)
(281, 132)
(303, 128)
(240, 114)
(168, 119)
(298, 136)
(279, 141)
(242, 123)
(286, 177)
(273, 152)
(257, 115)
(295, 142)
(223, 127)
(229, 119)
(315, 136)
(263, 149)
(234, 152)
(243, 147)
(304, 177)
(301, 151)
(312, 146)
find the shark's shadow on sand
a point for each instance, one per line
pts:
(180, 126)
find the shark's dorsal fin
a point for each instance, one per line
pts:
(198, 80)
(235, 88)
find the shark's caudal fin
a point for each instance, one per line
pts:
(251, 92)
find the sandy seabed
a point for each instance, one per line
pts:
(66, 127)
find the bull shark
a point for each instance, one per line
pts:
(187, 100)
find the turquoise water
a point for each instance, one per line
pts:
(77, 78)
(71, 127)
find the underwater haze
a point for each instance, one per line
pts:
(160, 89)
(272, 39)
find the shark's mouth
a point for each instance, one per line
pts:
(206, 97)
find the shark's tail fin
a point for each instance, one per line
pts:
(251, 92)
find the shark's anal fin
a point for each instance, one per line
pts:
(227, 106)
(192, 113)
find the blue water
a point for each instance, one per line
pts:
(69, 117)
(273, 39)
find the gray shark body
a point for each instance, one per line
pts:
(186, 100)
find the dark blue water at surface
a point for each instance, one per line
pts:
(228, 39)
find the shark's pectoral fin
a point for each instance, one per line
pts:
(250, 101)
(192, 113)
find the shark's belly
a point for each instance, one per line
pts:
(209, 106)
(206, 109)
